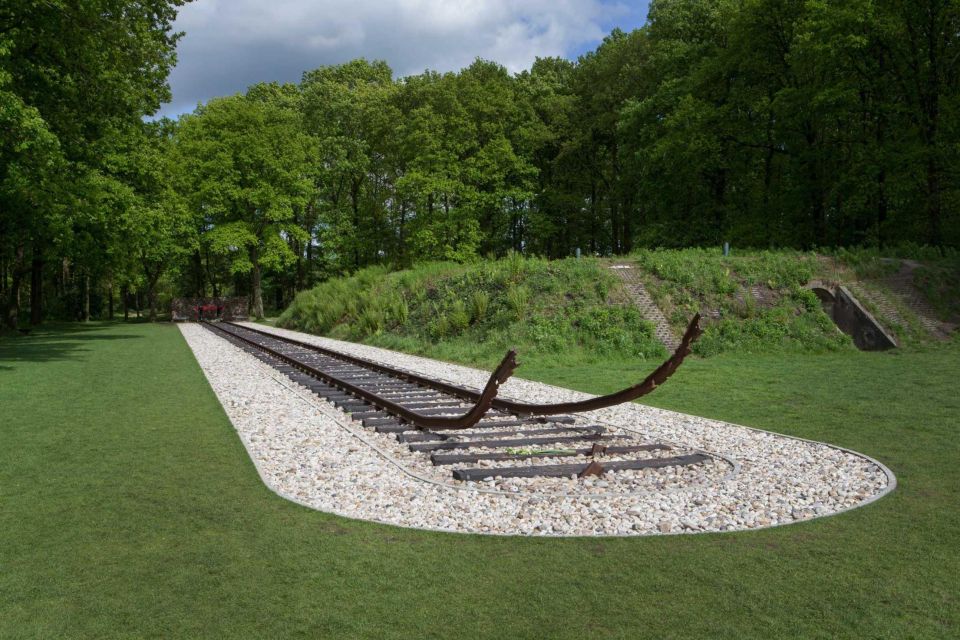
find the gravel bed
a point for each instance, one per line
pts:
(310, 452)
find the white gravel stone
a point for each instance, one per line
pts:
(310, 452)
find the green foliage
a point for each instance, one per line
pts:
(752, 303)
(457, 317)
(763, 123)
(399, 311)
(618, 330)
(76, 81)
(248, 159)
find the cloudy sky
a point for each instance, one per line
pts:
(230, 44)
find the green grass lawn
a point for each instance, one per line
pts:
(129, 508)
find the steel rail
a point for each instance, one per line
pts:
(466, 420)
(454, 390)
(648, 384)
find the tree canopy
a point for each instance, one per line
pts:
(76, 78)
(765, 123)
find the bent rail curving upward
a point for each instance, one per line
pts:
(651, 382)
(482, 404)
(488, 399)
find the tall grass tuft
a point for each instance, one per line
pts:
(400, 310)
(518, 298)
(458, 317)
(479, 303)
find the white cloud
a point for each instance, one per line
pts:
(230, 44)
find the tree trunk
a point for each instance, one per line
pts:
(355, 205)
(720, 205)
(152, 298)
(152, 301)
(614, 202)
(110, 299)
(211, 278)
(881, 205)
(628, 211)
(125, 296)
(400, 233)
(593, 218)
(815, 190)
(136, 301)
(36, 289)
(765, 212)
(12, 304)
(256, 308)
(152, 273)
(309, 269)
(86, 297)
(300, 273)
(200, 285)
(931, 100)
(934, 199)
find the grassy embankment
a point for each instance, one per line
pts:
(756, 301)
(130, 509)
(573, 312)
(567, 310)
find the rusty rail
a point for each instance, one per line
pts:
(648, 384)
(468, 419)
(651, 382)
(417, 410)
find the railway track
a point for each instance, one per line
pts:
(456, 426)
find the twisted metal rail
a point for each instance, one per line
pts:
(418, 411)
(505, 370)
(468, 419)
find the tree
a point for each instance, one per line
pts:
(348, 109)
(75, 79)
(156, 226)
(248, 161)
(925, 48)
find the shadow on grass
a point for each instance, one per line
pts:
(53, 342)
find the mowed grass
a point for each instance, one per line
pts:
(129, 508)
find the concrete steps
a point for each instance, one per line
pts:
(641, 298)
(898, 292)
(888, 311)
(901, 285)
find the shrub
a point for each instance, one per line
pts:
(439, 328)
(369, 322)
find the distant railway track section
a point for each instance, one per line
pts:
(456, 425)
